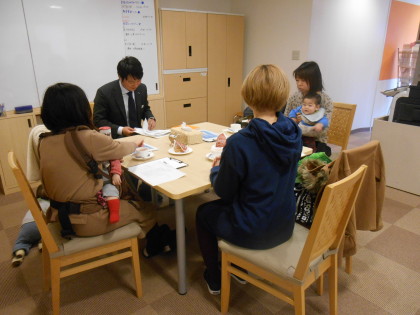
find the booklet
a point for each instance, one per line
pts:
(209, 136)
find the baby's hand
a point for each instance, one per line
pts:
(116, 180)
(318, 127)
(298, 117)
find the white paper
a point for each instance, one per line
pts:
(156, 172)
(175, 163)
(152, 133)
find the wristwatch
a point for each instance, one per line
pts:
(152, 118)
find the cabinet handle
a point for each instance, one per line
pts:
(187, 105)
(29, 123)
(190, 51)
(186, 79)
(228, 82)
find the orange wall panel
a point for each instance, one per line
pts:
(403, 24)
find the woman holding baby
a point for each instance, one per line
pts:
(309, 81)
(254, 177)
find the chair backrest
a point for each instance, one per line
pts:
(331, 219)
(32, 203)
(340, 124)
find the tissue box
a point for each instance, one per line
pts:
(187, 137)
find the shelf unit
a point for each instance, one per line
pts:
(406, 67)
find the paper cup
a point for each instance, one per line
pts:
(235, 127)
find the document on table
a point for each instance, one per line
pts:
(156, 172)
(151, 133)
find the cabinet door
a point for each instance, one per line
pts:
(217, 80)
(234, 65)
(196, 38)
(174, 40)
(14, 132)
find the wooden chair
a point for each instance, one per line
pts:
(340, 124)
(63, 258)
(294, 265)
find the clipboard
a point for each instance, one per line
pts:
(173, 162)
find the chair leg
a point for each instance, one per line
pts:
(299, 298)
(348, 264)
(225, 284)
(46, 267)
(333, 285)
(320, 285)
(55, 285)
(135, 260)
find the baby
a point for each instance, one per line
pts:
(311, 119)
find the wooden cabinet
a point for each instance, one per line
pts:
(225, 62)
(185, 98)
(202, 62)
(14, 133)
(184, 38)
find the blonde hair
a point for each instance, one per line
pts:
(266, 87)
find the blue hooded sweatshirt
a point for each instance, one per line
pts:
(256, 175)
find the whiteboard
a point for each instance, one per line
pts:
(17, 80)
(75, 41)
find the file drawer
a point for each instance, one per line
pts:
(180, 86)
(190, 110)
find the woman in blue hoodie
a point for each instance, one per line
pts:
(254, 177)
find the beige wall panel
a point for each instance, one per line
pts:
(234, 65)
(158, 109)
(191, 111)
(185, 85)
(173, 39)
(196, 39)
(217, 81)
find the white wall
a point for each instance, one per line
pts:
(347, 40)
(272, 30)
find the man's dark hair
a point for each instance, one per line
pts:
(130, 66)
(65, 105)
(313, 96)
(310, 72)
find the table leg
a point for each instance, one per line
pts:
(180, 243)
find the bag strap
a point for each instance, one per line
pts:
(79, 153)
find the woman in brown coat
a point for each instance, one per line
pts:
(68, 182)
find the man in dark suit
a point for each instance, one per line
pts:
(122, 104)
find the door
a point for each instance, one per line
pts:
(234, 65)
(217, 80)
(196, 38)
(174, 40)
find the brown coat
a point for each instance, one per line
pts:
(368, 207)
(65, 180)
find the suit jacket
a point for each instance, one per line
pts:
(368, 207)
(109, 107)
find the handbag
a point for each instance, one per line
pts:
(313, 173)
